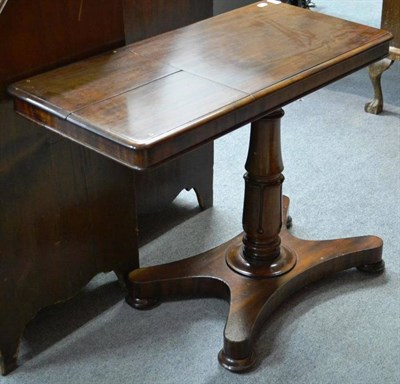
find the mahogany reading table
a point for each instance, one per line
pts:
(159, 98)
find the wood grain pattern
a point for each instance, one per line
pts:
(177, 100)
(60, 204)
(41, 261)
(59, 223)
(252, 300)
(260, 268)
(391, 20)
(96, 79)
(245, 60)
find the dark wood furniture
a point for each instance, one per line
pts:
(68, 213)
(391, 22)
(162, 97)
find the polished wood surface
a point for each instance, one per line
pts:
(391, 22)
(220, 82)
(100, 78)
(224, 78)
(75, 29)
(43, 199)
(262, 254)
(259, 269)
(251, 300)
(247, 64)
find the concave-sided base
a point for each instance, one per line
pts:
(251, 299)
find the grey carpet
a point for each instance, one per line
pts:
(342, 174)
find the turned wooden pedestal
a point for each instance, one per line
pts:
(256, 270)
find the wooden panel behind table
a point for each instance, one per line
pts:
(66, 213)
(42, 34)
(53, 237)
(391, 20)
(158, 16)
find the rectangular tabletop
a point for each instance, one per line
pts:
(153, 100)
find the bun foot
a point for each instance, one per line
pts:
(372, 268)
(236, 365)
(141, 304)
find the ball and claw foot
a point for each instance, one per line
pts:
(375, 268)
(375, 107)
(142, 304)
(375, 73)
(236, 365)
